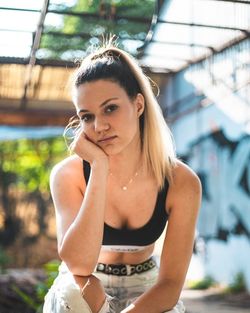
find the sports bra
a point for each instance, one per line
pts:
(133, 240)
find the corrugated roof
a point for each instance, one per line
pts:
(37, 54)
(33, 82)
(186, 32)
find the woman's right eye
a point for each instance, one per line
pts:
(87, 117)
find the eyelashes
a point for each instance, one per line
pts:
(109, 109)
(87, 117)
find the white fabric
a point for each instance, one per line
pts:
(120, 248)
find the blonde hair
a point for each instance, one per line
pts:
(158, 149)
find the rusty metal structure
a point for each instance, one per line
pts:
(34, 87)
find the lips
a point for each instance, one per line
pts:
(106, 139)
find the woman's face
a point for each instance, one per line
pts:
(108, 116)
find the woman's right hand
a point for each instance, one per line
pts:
(87, 150)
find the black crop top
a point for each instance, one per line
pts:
(125, 239)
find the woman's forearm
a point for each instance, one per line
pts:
(162, 297)
(81, 244)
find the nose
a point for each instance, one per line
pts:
(101, 124)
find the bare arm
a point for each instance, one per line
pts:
(184, 201)
(80, 209)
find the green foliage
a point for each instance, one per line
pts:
(203, 284)
(30, 161)
(4, 260)
(26, 298)
(238, 284)
(51, 270)
(41, 289)
(25, 167)
(133, 7)
(95, 28)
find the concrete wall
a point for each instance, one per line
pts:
(216, 144)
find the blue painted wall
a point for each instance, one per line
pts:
(216, 143)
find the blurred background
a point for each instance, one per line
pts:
(196, 51)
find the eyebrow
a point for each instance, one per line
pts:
(101, 105)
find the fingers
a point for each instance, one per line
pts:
(78, 141)
(85, 148)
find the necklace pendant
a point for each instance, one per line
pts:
(124, 188)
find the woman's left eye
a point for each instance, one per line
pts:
(111, 108)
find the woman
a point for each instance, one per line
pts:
(115, 194)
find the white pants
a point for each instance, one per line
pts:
(65, 296)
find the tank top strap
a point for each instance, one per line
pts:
(86, 170)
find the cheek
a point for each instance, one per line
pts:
(129, 117)
(130, 126)
(133, 119)
(83, 126)
(87, 129)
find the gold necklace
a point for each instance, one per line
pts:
(125, 187)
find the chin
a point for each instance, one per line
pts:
(112, 150)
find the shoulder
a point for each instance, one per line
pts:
(186, 185)
(71, 168)
(183, 174)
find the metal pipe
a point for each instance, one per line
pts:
(234, 1)
(136, 19)
(203, 25)
(32, 58)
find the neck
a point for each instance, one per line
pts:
(126, 163)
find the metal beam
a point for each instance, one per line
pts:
(18, 9)
(182, 44)
(42, 62)
(85, 35)
(32, 117)
(157, 20)
(233, 1)
(228, 45)
(116, 17)
(200, 59)
(169, 57)
(15, 30)
(203, 25)
(32, 58)
(158, 5)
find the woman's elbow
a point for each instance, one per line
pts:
(79, 266)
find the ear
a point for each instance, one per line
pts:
(140, 104)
